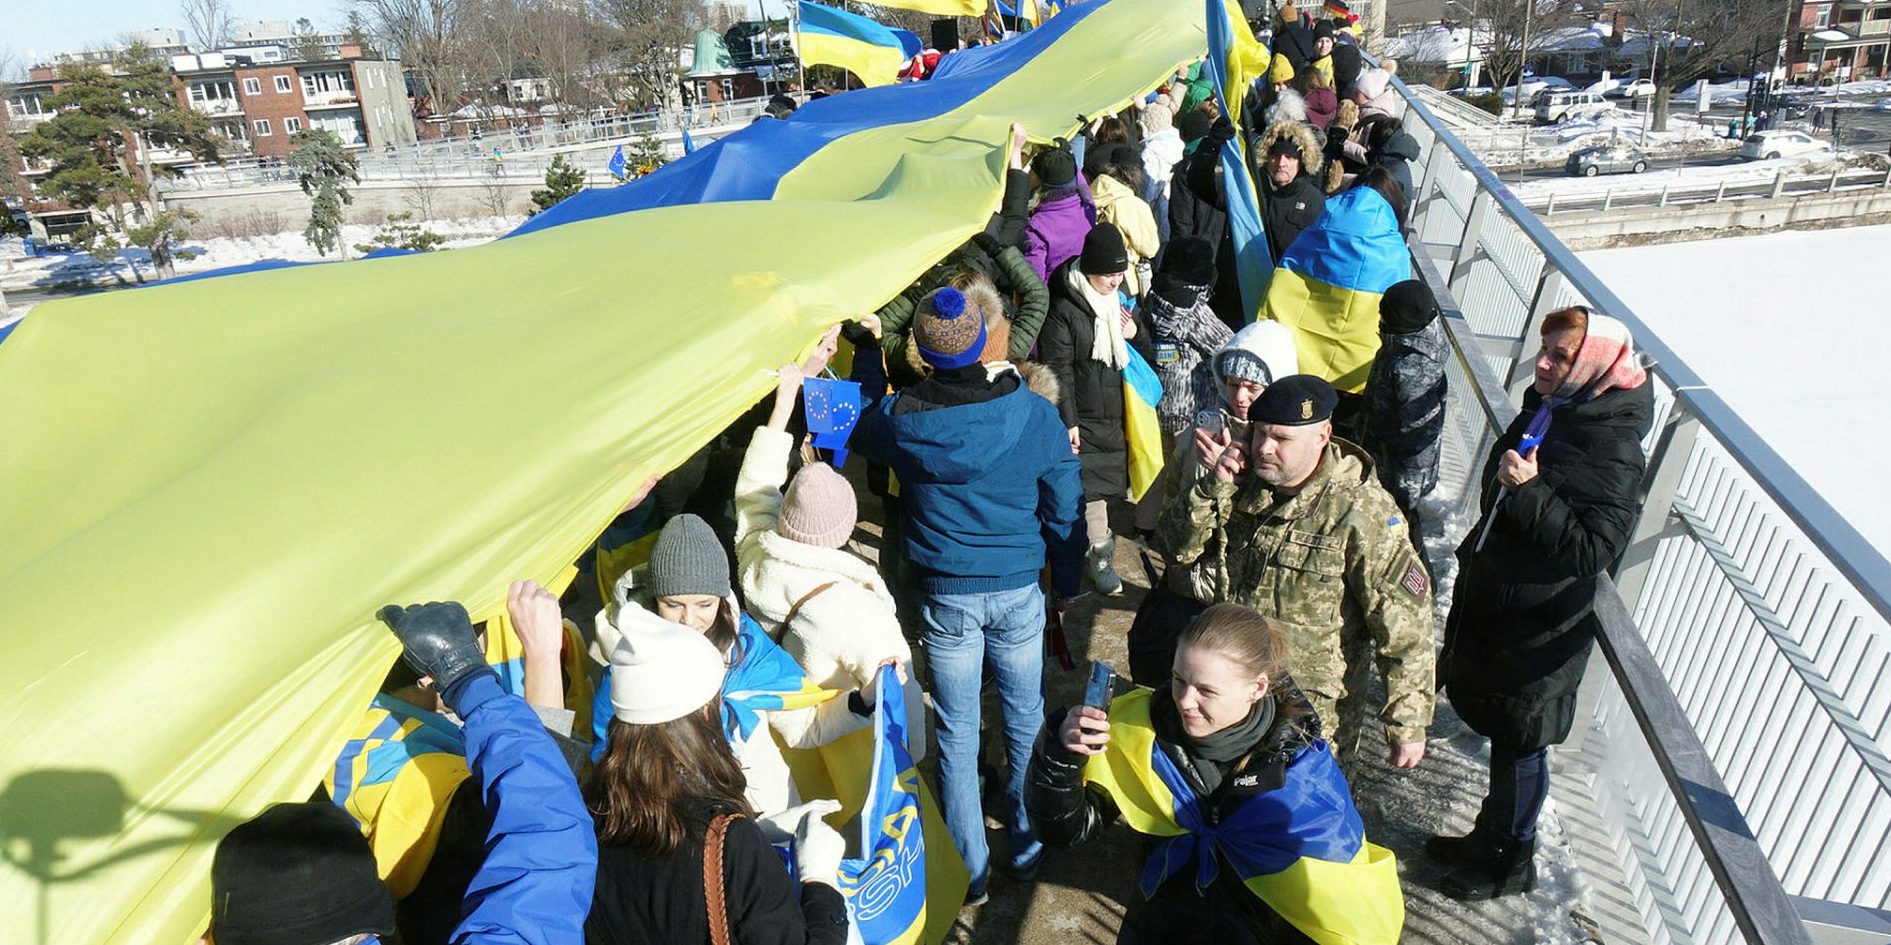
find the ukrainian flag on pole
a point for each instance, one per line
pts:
(1235, 58)
(831, 37)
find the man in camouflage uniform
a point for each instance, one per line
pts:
(1307, 536)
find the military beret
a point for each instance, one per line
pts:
(1293, 401)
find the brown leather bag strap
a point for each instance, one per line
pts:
(714, 895)
(795, 611)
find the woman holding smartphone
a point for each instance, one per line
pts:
(1252, 831)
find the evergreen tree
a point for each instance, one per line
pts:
(646, 154)
(401, 232)
(324, 169)
(561, 181)
(308, 43)
(92, 145)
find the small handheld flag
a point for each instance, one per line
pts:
(832, 409)
(689, 147)
(616, 167)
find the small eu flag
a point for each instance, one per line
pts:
(616, 167)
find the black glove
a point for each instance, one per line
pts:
(1335, 141)
(437, 640)
(988, 243)
(1221, 132)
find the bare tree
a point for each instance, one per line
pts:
(1519, 30)
(425, 35)
(565, 42)
(648, 37)
(497, 43)
(1697, 38)
(208, 22)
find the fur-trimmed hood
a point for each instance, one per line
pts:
(1302, 135)
(1037, 378)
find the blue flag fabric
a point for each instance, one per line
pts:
(1254, 266)
(1310, 816)
(616, 167)
(910, 43)
(832, 409)
(886, 889)
(689, 146)
(751, 163)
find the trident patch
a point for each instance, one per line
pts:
(1415, 582)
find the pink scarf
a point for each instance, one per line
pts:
(1605, 361)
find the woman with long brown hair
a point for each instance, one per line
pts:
(680, 856)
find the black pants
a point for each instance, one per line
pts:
(1519, 783)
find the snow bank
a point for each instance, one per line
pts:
(1789, 329)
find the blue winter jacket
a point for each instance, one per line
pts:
(983, 488)
(541, 854)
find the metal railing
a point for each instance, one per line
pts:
(1668, 194)
(523, 152)
(1734, 729)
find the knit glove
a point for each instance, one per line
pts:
(437, 640)
(818, 848)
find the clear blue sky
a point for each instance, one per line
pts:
(35, 29)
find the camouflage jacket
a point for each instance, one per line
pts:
(1331, 563)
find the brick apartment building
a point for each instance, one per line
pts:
(1844, 39)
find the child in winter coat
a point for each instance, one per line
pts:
(829, 608)
(1405, 395)
(766, 694)
(1064, 214)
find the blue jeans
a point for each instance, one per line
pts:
(961, 632)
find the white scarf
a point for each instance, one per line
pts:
(1106, 343)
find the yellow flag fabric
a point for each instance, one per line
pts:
(211, 486)
(939, 7)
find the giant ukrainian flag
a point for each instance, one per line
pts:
(209, 487)
(831, 37)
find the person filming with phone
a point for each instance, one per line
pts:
(1251, 831)
(1560, 499)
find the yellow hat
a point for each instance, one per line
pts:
(1282, 71)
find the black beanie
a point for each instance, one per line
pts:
(1407, 307)
(1103, 251)
(1194, 125)
(1055, 167)
(1187, 261)
(297, 874)
(1100, 156)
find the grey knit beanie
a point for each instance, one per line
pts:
(688, 560)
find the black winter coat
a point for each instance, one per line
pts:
(1064, 813)
(1522, 614)
(1288, 210)
(643, 900)
(1090, 397)
(1198, 208)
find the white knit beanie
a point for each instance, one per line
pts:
(661, 671)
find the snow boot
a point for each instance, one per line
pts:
(1102, 572)
(1509, 869)
(1470, 849)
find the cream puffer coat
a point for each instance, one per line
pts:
(840, 635)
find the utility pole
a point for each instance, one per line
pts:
(1523, 64)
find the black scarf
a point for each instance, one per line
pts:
(1213, 755)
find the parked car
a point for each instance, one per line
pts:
(1552, 107)
(1607, 159)
(1765, 145)
(1640, 88)
(1534, 87)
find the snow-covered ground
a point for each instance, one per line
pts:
(18, 271)
(1789, 328)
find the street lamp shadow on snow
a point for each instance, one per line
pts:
(43, 813)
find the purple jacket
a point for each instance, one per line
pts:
(1057, 229)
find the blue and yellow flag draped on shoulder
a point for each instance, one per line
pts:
(1328, 285)
(260, 461)
(832, 37)
(395, 777)
(886, 887)
(1301, 848)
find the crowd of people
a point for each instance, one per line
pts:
(625, 776)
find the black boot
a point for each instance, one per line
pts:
(1508, 870)
(1471, 849)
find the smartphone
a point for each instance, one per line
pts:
(1096, 694)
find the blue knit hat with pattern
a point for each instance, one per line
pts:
(948, 332)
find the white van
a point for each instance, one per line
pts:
(1552, 107)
